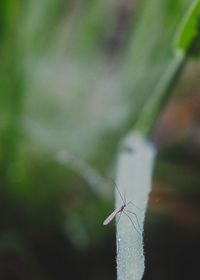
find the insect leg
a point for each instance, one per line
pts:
(131, 222)
(124, 197)
(117, 220)
(130, 202)
(124, 202)
(135, 217)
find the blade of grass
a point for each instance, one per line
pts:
(134, 175)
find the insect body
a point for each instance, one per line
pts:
(113, 215)
(120, 210)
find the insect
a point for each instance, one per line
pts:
(123, 209)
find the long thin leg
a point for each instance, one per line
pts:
(124, 202)
(130, 202)
(124, 197)
(131, 222)
(117, 221)
(135, 217)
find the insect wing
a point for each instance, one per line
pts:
(111, 216)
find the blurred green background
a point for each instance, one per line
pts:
(74, 76)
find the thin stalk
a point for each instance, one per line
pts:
(134, 178)
(161, 94)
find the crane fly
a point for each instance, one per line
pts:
(113, 214)
(122, 209)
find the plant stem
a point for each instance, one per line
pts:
(134, 176)
(160, 95)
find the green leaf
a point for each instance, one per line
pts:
(188, 37)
